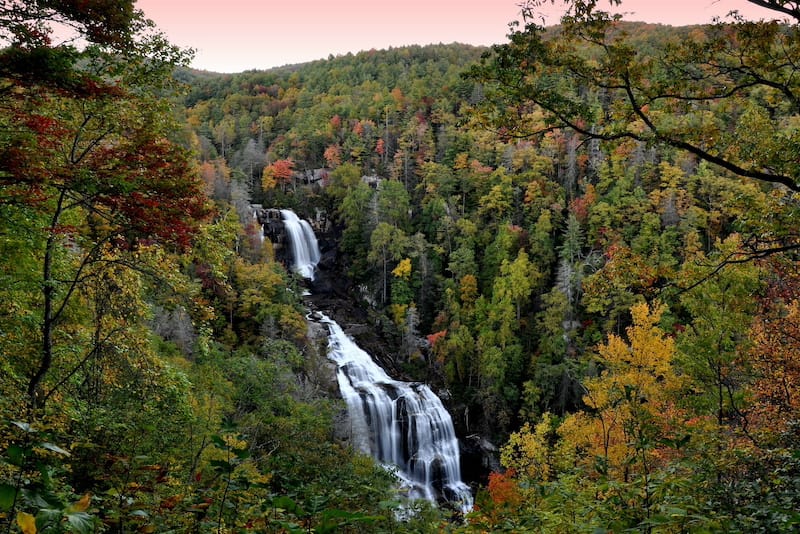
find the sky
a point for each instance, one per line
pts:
(238, 35)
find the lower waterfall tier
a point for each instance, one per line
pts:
(402, 425)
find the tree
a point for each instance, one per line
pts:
(88, 152)
(27, 30)
(725, 92)
(572, 268)
(776, 347)
(517, 281)
(387, 243)
(342, 179)
(393, 204)
(251, 158)
(99, 21)
(496, 204)
(630, 427)
(354, 213)
(722, 310)
(277, 173)
(333, 155)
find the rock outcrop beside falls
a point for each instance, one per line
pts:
(320, 369)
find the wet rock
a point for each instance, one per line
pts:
(479, 457)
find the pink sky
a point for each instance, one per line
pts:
(237, 35)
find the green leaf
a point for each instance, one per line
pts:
(658, 519)
(46, 516)
(285, 503)
(243, 453)
(292, 528)
(37, 498)
(317, 503)
(349, 516)
(15, 455)
(330, 524)
(674, 511)
(81, 522)
(7, 496)
(221, 465)
(389, 504)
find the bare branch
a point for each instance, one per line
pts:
(781, 6)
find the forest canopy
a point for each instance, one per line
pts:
(585, 238)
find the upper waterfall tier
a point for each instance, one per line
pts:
(305, 250)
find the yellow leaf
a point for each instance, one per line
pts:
(403, 269)
(26, 522)
(83, 503)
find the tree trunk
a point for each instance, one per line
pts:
(36, 399)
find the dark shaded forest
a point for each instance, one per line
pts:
(585, 239)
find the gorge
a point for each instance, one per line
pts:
(402, 425)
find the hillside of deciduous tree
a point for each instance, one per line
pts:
(586, 236)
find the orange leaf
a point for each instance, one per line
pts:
(82, 504)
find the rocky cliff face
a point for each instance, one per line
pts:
(323, 373)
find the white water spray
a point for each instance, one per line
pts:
(403, 425)
(305, 251)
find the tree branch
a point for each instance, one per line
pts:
(737, 257)
(781, 6)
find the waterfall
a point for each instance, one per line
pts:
(402, 425)
(305, 251)
(260, 226)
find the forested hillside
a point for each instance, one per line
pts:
(585, 239)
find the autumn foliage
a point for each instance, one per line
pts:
(278, 173)
(587, 243)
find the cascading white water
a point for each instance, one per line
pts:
(305, 251)
(261, 227)
(401, 424)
